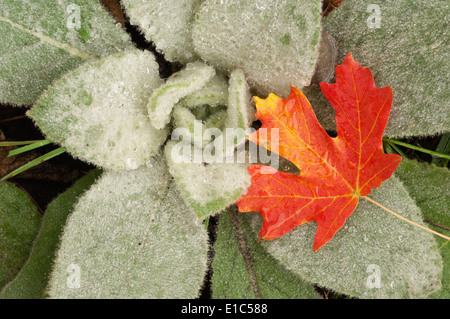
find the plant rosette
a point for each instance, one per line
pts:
(173, 154)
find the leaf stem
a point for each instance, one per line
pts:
(405, 219)
(417, 148)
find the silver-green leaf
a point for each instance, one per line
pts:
(214, 93)
(240, 109)
(179, 85)
(275, 43)
(32, 279)
(406, 46)
(166, 23)
(98, 111)
(43, 39)
(131, 236)
(207, 187)
(428, 185)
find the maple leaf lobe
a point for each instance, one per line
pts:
(334, 171)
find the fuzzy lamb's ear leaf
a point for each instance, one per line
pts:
(43, 39)
(428, 185)
(98, 111)
(275, 43)
(243, 269)
(405, 44)
(217, 119)
(444, 248)
(185, 120)
(32, 280)
(214, 93)
(375, 255)
(19, 225)
(240, 110)
(187, 81)
(209, 187)
(167, 24)
(131, 236)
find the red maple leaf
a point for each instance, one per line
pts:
(334, 172)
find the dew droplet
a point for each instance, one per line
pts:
(131, 163)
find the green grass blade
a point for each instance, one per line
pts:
(34, 162)
(443, 147)
(18, 143)
(28, 147)
(207, 222)
(388, 148)
(399, 151)
(417, 148)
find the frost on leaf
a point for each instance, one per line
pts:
(214, 93)
(44, 39)
(98, 112)
(166, 23)
(193, 128)
(240, 110)
(207, 187)
(428, 186)
(275, 43)
(217, 119)
(187, 81)
(134, 227)
(406, 46)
